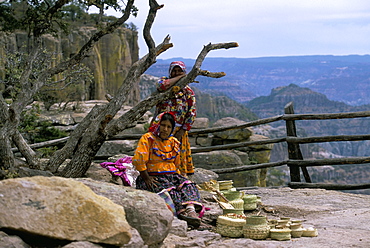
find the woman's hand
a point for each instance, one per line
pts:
(178, 135)
(149, 181)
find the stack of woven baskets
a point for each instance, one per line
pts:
(233, 223)
(258, 227)
(238, 200)
(235, 199)
(225, 185)
(285, 229)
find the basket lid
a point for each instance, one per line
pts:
(230, 221)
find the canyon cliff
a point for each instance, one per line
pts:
(108, 61)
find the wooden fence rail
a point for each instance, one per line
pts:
(296, 160)
(308, 162)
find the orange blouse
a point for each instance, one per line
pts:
(156, 155)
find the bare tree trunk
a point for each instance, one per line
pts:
(86, 150)
(11, 115)
(6, 131)
(74, 139)
(6, 155)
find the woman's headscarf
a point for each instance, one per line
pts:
(154, 128)
(177, 63)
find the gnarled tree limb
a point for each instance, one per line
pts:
(211, 74)
(154, 7)
(195, 71)
(26, 150)
(137, 111)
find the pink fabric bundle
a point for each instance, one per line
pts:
(119, 169)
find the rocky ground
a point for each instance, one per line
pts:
(342, 220)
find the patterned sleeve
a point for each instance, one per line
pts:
(141, 156)
(192, 109)
(163, 84)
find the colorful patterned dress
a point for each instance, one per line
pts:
(160, 158)
(183, 105)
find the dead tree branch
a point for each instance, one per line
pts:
(211, 74)
(137, 111)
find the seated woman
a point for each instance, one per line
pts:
(157, 159)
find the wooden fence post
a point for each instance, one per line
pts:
(294, 152)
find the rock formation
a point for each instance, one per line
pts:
(63, 209)
(108, 61)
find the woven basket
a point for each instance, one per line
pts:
(250, 202)
(295, 226)
(238, 204)
(256, 227)
(280, 234)
(296, 221)
(250, 198)
(296, 233)
(283, 223)
(210, 186)
(309, 232)
(230, 227)
(256, 220)
(225, 185)
(250, 206)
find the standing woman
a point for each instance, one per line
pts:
(183, 106)
(157, 159)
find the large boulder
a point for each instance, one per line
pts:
(229, 159)
(234, 134)
(200, 123)
(61, 208)
(202, 175)
(145, 211)
(112, 147)
(217, 159)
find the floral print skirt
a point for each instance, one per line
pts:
(182, 190)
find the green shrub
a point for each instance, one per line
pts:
(46, 152)
(34, 130)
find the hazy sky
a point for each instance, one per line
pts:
(261, 27)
